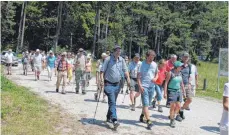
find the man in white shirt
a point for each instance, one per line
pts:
(37, 61)
(9, 60)
(194, 78)
(224, 120)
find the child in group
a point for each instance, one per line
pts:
(88, 71)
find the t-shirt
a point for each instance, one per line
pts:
(174, 82)
(25, 59)
(161, 76)
(193, 74)
(9, 57)
(185, 74)
(37, 59)
(51, 61)
(100, 64)
(133, 68)
(82, 61)
(147, 73)
(169, 66)
(70, 62)
(224, 120)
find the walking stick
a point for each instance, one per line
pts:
(97, 104)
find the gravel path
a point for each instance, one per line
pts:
(202, 119)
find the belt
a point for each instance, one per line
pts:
(115, 84)
(135, 79)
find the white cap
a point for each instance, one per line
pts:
(37, 50)
(104, 55)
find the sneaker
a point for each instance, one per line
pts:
(116, 124)
(149, 124)
(160, 109)
(141, 118)
(104, 100)
(172, 123)
(154, 104)
(38, 77)
(182, 114)
(132, 107)
(178, 118)
(57, 90)
(83, 92)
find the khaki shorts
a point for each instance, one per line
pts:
(189, 93)
(37, 67)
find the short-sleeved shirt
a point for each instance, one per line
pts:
(51, 61)
(169, 66)
(37, 59)
(174, 82)
(62, 65)
(82, 60)
(224, 120)
(133, 68)
(185, 74)
(161, 76)
(88, 67)
(193, 74)
(9, 57)
(147, 73)
(113, 69)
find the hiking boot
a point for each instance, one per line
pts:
(168, 105)
(24, 73)
(141, 118)
(172, 123)
(160, 109)
(182, 114)
(121, 92)
(149, 124)
(188, 108)
(96, 96)
(83, 92)
(57, 90)
(154, 104)
(178, 118)
(127, 92)
(132, 107)
(77, 91)
(116, 124)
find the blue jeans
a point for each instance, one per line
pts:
(112, 94)
(147, 96)
(158, 90)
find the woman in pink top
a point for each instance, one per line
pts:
(88, 71)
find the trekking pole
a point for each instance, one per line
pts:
(125, 94)
(97, 104)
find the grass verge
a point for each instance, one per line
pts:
(23, 112)
(210, 72)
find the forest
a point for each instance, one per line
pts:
(198, 27)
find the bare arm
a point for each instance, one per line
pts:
(225, 103)
(168, 76)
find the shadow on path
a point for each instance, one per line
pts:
(211, 129)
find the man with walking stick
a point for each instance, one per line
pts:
(111, 77)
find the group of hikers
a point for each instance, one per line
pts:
(174, 80)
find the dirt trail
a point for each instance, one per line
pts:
(203, 118)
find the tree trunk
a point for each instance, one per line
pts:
(155, 44)
(60, 7)
(107, 21)
(23, 27)
(95, 30)
(19, 31)
(98, 44)
(130, 46)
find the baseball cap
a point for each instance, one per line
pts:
(136, 55)
(117, 47)
(81, 49)
(10, 50)
(186, 54)
(37, 50)
(178, 64)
